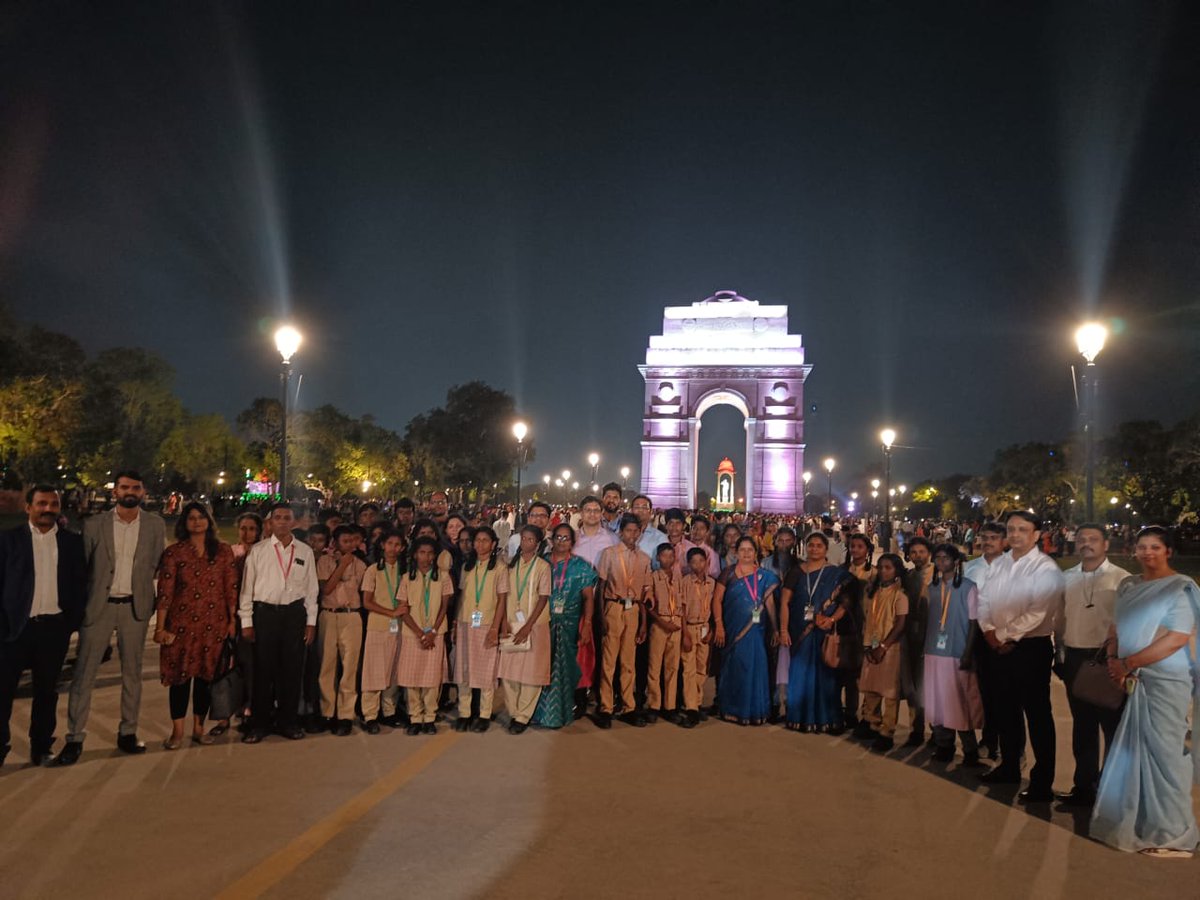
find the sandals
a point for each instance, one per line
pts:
(1165, 853)
(219, 729)
(169, 744)
(204, 740)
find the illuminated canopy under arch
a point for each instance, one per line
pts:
(725, 350)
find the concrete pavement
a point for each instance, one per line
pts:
(580, 813)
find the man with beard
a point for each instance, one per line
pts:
(123, 547)
(613, 504)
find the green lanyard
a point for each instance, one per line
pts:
(390, 585)
(480, 583)
(425, 577)
(522, 584)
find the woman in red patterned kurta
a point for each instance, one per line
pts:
(197, 602)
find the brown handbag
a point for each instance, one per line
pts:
(831, 650)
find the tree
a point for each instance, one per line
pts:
(38, 416)
(199, 448)
(467, 441)
(1140, 461)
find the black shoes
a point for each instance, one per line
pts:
(428, 728)
(40, 758)
(604, 720)
(317, 724)
(343, 728)
(882, 744)
(971, 760)
(371, 727)
(70, 754)
(480, 725)
(944, 754)
(689, 718)
(462, 725)
(295, 733)
(1036, 795)
(1077, 799)
(253, 736)
(650, 716)
(915, 739)
(413, 728)
(128, 743)
(1001, 775)
(864, 732)
(637, 720)
(515, 727)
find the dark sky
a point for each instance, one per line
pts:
(512, 192)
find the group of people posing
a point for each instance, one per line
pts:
(380, 622)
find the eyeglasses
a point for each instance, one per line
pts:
(562, 537)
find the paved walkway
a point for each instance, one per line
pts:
(657, 812)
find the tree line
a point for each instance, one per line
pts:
(72, 420)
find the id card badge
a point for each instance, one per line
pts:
(394, 626)
(520, 617)
(704, 630)
(559, 607)
(809, 613)
(477, 619)
(627, 603)
(942, 640)
(756, 615)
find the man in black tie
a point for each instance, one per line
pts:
(43, 593)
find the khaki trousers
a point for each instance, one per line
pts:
(422, 704)
(521, 700)
(620, 643)
(695, 669)
(372, 700)
(487, 698)
(340, 636)
(664, 668)
(885, 725)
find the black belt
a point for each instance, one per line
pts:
(120, 599)
(621, 600)
(340, 609)
(46, 618)
(261, 604)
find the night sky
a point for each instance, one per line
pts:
(513, 192)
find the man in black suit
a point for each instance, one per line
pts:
(43, 584)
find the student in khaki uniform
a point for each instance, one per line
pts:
(339, 629)
(477, 657)
(624, 572)
(426, 591)
(666, 627)
(381, 646)
(697, 590)
(525, 659)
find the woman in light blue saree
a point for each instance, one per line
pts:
(1144, 802)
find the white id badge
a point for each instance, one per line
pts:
(627, 603)
(477, 619)
(808, 613)
(394, 626)
(520, 617)
(756, 615)
(942, 640)
(704, 631)
(560, 607)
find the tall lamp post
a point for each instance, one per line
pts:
(1089, 338)
(806, 477)
(830, 462)
(520, 429)
(624, 481)
(887, 437)
(287, 342)
(875, 482)
(594, 462)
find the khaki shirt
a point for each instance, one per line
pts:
(376, 582)
(528, 584)
(697, 599)
(345, 594)
(412, 592)
(482, 590)
(625, 571)
(668, 595)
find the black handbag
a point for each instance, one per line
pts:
(1091, 684)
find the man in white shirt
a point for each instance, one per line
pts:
(1018, 607)
(991, 545)
(278, 609)
(1090, 596)
(643, 509)
(593, 536)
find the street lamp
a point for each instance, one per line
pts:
(1089, 339)
(624, 480)
(287, 342)
(546, 482)
(593, 461)
(887, 437)
(830, 462)
(806, 478)
(519, 429)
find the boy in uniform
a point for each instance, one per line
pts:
(697, 592)
(624, 572)
(666, 626)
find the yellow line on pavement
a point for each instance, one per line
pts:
(287, 859)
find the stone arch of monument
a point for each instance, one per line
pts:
(725, 350)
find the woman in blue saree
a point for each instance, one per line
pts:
(744, 611)
(1144, 802)
(810, 608)
(571, 585)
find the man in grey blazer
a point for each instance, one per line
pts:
(123, 547)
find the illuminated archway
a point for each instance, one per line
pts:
(732, 351)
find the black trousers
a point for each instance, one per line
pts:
(1023, 696)
(41, 647)
(278, 663)
(177, 698)
(985, 671)
(1087, 721)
